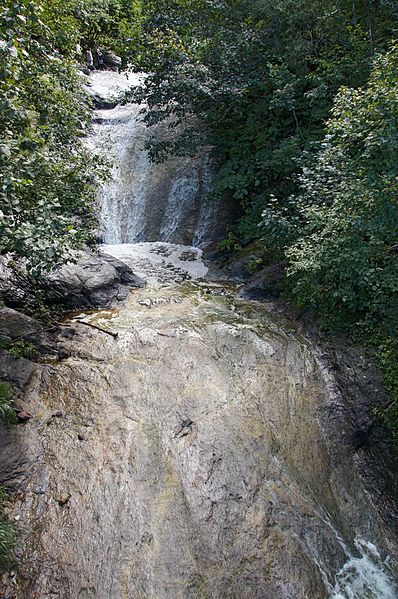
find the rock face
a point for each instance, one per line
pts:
(112, 60)
(15, 325)
(201, 454)
(14, 288)
(94, 281)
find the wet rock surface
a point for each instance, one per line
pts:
(201, 453)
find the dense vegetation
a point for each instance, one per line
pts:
(298, 100)
(45, 192)
(47, 177)
(7, 533)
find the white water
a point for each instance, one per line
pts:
(365, 577)
(159, 262)
(145, 201)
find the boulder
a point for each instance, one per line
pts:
(33, 336)
(14, 287)
(16, 371)
(101, 102)
(267, 284)
(15, 325)
(112, 60)
(94, 281)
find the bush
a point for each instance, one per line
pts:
(7, 412)
(22, 349)
(47, 177)
(7, 535)
(345, 261)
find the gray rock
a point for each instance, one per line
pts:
(14, 288)
(15, 325)
(112, 60)
(94, 281)
(16, 371)
(266, 284)
(101, 102)
(214, 464)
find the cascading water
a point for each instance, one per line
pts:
(146, 201)
(198, 451)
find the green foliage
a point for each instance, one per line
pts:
(109, 24)
(343, 248)
(47, 177)
(254, 264)
(260, 78)
(345, 259)
(230, 243)
(19, 348)
(7, 412)
(22, 349)
(256, 81)
(7, 535)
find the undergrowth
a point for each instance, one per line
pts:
(7, 535)
(7, 412)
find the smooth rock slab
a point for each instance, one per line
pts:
(195, 454)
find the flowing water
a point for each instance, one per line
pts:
(146, 201)
(199, 451)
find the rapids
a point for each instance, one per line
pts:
(198, 452)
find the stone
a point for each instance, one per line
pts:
(16, 325)
(216, 465)
(267, 284)
(24, 416)
(112, 60)
(64, 499)
(15, 370)
(14, 287)
(101, 102)
(93, 281)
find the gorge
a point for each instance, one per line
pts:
(202, 449)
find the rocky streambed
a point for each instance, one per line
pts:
(191, 446)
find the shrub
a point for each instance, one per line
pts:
(7, 535)
(7, 412)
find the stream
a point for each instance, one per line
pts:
(198, 452)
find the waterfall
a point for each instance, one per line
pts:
(144, 201)
(201, 442)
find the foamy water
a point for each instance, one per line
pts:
(365, 577)
(144, 201)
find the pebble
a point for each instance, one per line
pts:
(64, 499)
